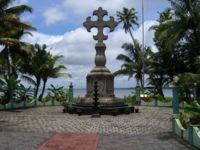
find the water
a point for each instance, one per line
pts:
(119, 92)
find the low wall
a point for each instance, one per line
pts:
(155, 103)
(28, 104)
(192, 134)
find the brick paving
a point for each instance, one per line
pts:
(150, 129)
(51, 119)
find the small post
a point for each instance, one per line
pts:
(137, 94)
(190, 134)
(96, 103)
(70, 93)
(175, 101)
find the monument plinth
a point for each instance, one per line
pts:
(100, 73)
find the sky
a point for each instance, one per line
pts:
(59, 24)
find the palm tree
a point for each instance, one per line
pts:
(177, 38)
(132, 63)
(33, 66)
(50, 70)
(185, 22)
(11, 29)
(129, 19)
(10, 23)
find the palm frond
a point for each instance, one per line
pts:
(29, 80)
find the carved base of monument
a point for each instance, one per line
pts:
(105, 87)
(102, 101)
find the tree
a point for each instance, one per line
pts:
(129, 19)
(33, 66)
(50, 70)
(132, 63)
(10, 23)
(11, 30)
(181, 32)
(176, 38)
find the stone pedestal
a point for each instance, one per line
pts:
(104, 78)
(105, 86)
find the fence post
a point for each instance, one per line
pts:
(137, 95)
(175, 102)
(190, 134)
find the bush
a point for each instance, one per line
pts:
(183, 119)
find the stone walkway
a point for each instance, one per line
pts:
(51, 119)
(30, 127)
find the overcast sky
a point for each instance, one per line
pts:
(59, 25)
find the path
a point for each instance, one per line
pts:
(30, 127)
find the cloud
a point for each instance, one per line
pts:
(89, 5)
(77, 47)
(53, 15)
(80, 10)
(20, 2)
(41, 38)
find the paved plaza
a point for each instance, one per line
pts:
(28, 128)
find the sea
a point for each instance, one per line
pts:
(119, 92)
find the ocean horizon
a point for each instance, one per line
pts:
(119, 92)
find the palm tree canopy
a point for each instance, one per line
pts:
(10, 24)
(128, 18)
(185, 21)
(132, 61)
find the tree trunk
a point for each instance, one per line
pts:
(142, 57)
(37, 87)
(129, 30)
(43, 89)
(8, 61)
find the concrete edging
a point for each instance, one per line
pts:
(192, 134)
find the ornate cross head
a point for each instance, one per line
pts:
(100, 24)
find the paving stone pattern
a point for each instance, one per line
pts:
(27, 129)
(51, 119)
(162, 141)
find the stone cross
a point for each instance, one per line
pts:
(100, 24)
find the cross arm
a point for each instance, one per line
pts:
(111, 24)
(88, 24)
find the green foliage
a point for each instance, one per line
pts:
(129, 100)
(193, 110)
(183, 119)
(58, 94)
(24, 94)
(8, 89)
(177, 40)
(128, 18)
(186, 84)
(132, 61)
(10, 24)
(194, 113)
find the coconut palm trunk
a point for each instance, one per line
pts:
(38, 80)
(8, 61)
(43, 89)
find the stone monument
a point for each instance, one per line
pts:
(100, 73)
